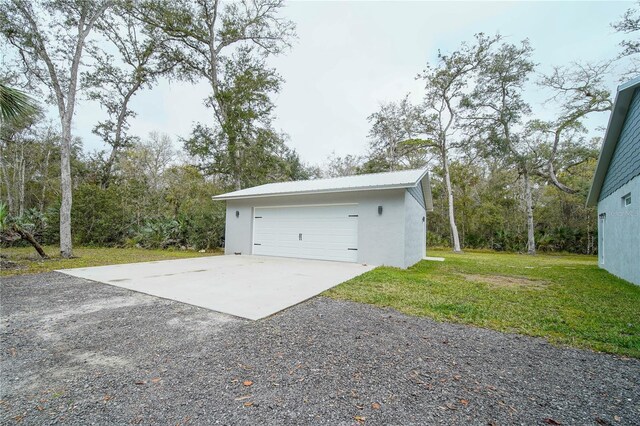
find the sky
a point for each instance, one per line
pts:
(350, 57)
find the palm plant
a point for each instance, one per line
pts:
(15, 104)
(12, 229)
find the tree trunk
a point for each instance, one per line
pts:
(531, 242)
(27, 236)
(452, 220)
(7, 184)
(106, 170)
(45, 177)
(21, 178)
(66, 247)
(65, 97)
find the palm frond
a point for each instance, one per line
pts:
(15, 104)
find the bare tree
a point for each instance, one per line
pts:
(50, 41)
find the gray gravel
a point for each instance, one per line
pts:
(79, 352)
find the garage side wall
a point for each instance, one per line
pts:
(380, 236)
(415, 230)
(238, 229)
(619, 232)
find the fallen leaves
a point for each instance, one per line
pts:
(359, 419)
(248, 404)
(550, 421)
(240, 398)
(155, 380)
(375, 406)
(247, 383)
(464, 402)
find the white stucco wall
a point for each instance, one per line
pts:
(415, 240)
(381, 238)
(619, 235)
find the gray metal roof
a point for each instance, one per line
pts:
(611, 137)
(368, 182)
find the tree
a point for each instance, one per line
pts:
(337, 166)
(581, 91)
(445, 86)
(391, 126)
(16, 138)
(114, 81)
(629, 24)
(210, 40)
(495, 112)
(245, 150)
(12, 229)
(50, 41)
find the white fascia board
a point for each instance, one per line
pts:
(319, 191)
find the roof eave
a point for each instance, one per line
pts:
(618, 115)
(426, 192)
(320, 191)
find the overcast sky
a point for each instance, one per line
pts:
(351, 56)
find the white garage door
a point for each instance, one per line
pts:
(309, 232)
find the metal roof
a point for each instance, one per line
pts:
(616, 122)
(368, 182)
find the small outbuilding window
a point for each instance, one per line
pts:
(626, 200)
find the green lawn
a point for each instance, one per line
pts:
(566, 299)
(30, 262)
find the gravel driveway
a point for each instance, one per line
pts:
(80, 352)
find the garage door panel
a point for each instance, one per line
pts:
(328, 232)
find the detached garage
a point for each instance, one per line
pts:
(377, 219)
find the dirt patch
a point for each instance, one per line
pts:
(7, 264)
(505, 281)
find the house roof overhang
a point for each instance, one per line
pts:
(618, 115)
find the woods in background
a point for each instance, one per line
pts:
(502, 177)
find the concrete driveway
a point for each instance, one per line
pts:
(250, 287)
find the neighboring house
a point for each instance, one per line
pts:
(377, 219)
(616, 187)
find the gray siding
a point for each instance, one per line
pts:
(415, 230)
(625, 163)
(417, 193)
(619, 233)
(381, 238)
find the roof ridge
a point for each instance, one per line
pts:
(347, 176)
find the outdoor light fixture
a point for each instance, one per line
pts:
(237, 213)
(379, 209)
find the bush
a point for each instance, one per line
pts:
(99, 216)
(204, 229)
(159, 233)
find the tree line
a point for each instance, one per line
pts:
(502, 177)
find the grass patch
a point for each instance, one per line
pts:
(566, 299)
(25, 261)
